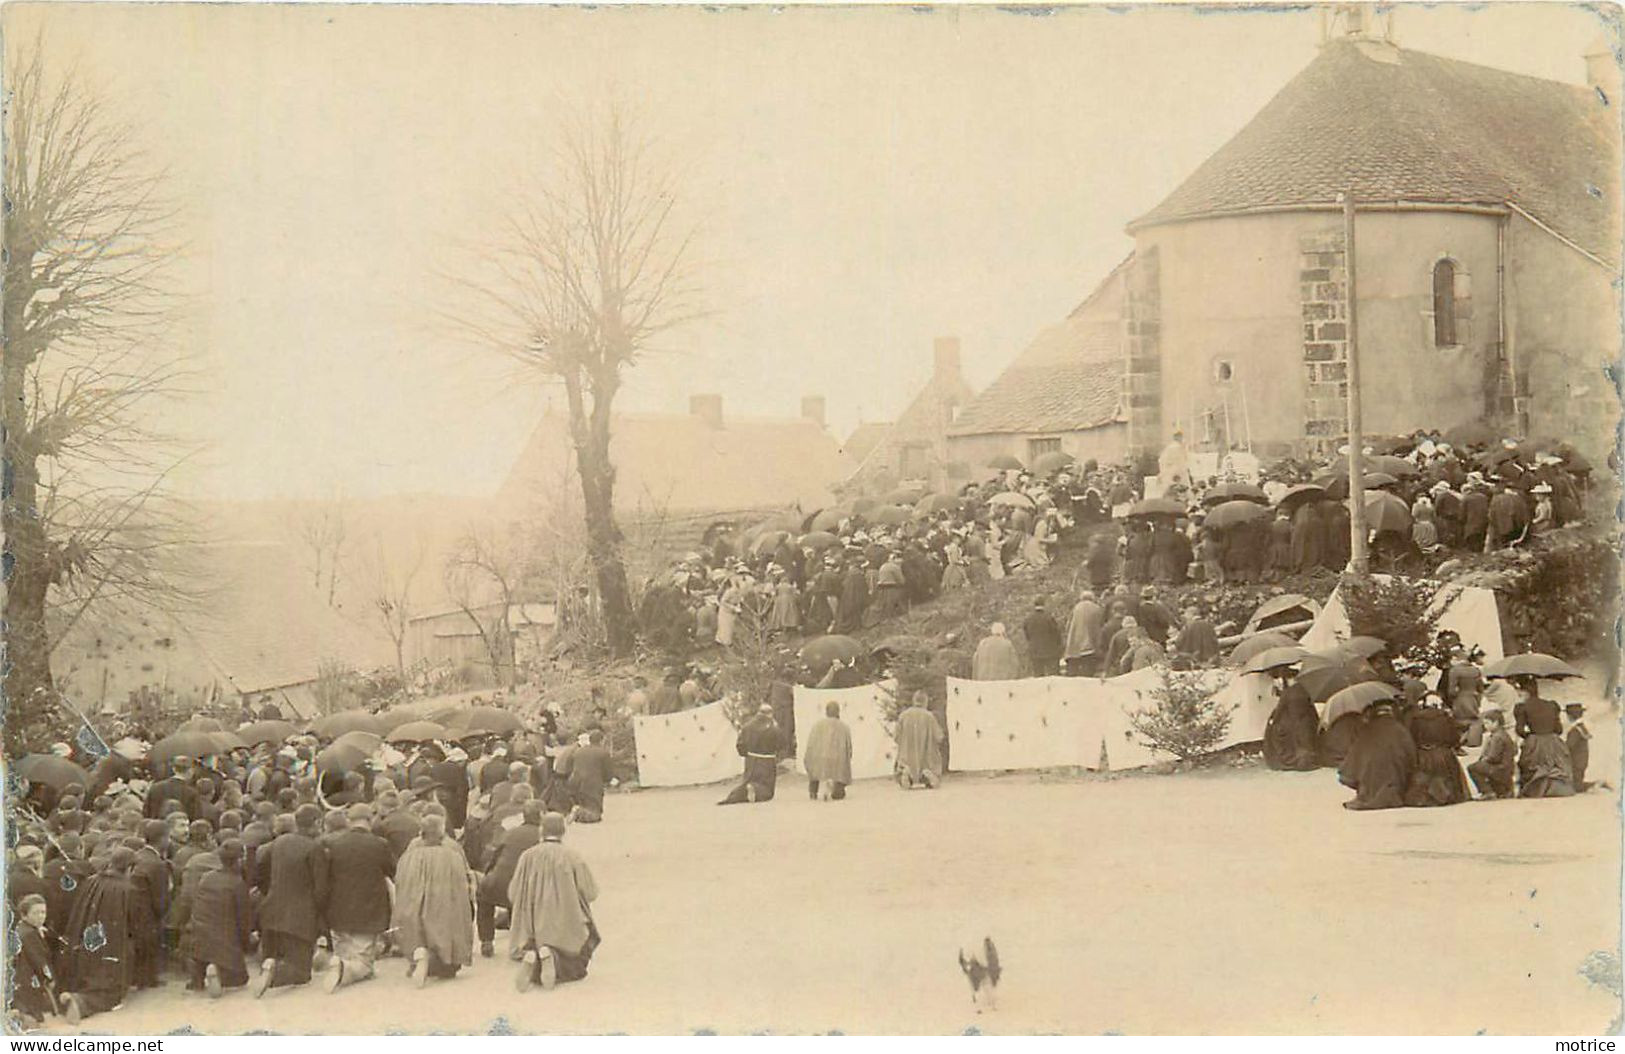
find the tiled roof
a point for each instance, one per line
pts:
(1069, 378)
(1396, 125)
(675, 463)
(865, 438)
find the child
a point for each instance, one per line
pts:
(35, 993)
(1579, 744)
(1492, 772)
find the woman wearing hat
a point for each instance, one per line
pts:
(1437, 779)
(1545, 769)
(1292, 733)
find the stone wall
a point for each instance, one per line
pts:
(1321, 278)
(1142, 343)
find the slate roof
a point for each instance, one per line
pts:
(1398, 125)
(1070, 378)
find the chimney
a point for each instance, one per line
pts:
(812, 409)
(1602, 70)
(945, 355)
(707, 406)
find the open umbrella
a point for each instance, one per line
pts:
(863, 504)
(200, 724)
(1334, 485)
(183, 745)
(1394, 466)
(1299, 493)
(1012, 499)
(1005, 461)
(1322, 676)
(1473, 433)
(903, 496)
(1156, 507)
(417, 732)
(1257, 644)
(256, 732)
(1363, 647)
(932, 504)
(1355, 698)
(1053, 461)
(226, 742)
(1275, 658)
(335, 725)
(1235, 513)
(51, 770)
(768, 541)
(1387, 512)
(366, 742)
(1532, 664)
(819, 540)
(818, 654)
(889, 515)
(341, 758)
(828, 520)
(1236, 491)
(492, 719)
(1378, 480)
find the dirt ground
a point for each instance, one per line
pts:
(1229, 901)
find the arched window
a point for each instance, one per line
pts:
(1444, 304)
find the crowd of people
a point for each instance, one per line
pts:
(162, 868)
(193, 868)
(1407, 750)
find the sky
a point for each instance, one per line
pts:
(865, 179)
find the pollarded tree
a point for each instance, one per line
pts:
(87, 364)
(594, 267)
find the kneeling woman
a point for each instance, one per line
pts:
(1438, 779)
(1544, 767)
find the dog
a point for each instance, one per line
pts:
(981, 968)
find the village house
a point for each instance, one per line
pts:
(1487, 246)
(914, 448)
(679, 475)
(1063, 393)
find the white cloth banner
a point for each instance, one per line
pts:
(1469, 610)
(1068, 722)
(688, 748)
(874, 743)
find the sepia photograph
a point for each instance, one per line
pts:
(672, 520)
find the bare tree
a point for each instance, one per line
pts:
(85, 374)
(389, 589)
(321, 530)
(594, 267)
(482, 575)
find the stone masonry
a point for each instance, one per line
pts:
(1321, 278)
(1142, 341)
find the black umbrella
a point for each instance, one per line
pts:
(52, 771)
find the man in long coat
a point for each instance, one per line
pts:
(759, 743)
(359, 868)
(1044, 644)
(854, 598)
(97, 962)
(500, 861)
(433, 919)
(295, 899)
(589, 774)
(919, 745)
(552, 893)
(996, 658)
(1379, 764)
(828, 760)
(154, 881)
(219, 923)
(1082, 648)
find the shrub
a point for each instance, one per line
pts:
(1186, 721)
(1398, 611)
